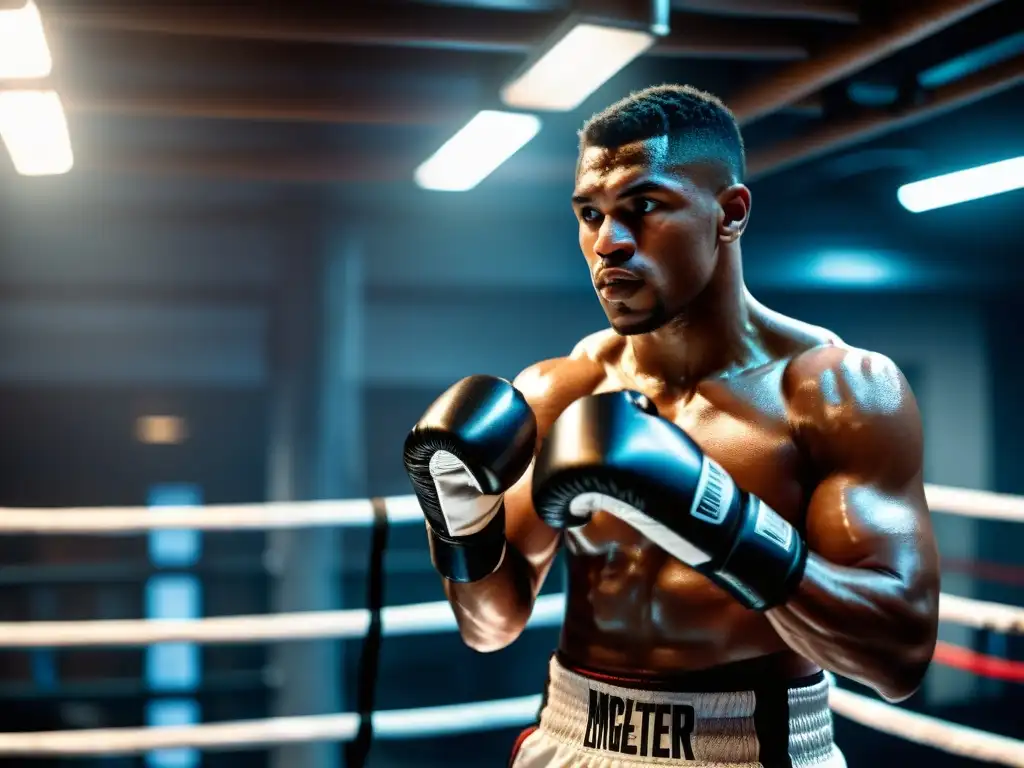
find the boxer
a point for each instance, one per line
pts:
(739, 494)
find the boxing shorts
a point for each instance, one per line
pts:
(591, 721)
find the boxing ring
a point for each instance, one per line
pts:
(419, 619)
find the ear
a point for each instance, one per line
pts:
(734, 208)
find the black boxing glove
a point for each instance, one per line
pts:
(612, 452)
(470, 446)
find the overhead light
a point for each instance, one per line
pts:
(161, 430)
(24, 52)
(583, 54)
(961, 186)
(35, 129)
(476, 150)
(851, 268)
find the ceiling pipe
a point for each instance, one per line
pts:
(837, 11)
(842, 134)
(866, 47)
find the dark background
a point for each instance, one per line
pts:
(279, 283)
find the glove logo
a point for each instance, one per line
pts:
(714, 493)
(771, 526)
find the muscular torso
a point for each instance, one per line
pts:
(635, 610)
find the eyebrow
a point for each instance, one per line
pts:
(631, 191)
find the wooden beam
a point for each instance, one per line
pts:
(438, 28)
(867, 47)
(873, 124)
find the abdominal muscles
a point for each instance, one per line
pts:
(633, 608)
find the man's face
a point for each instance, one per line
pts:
(649, 233)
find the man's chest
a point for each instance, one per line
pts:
(742, 425)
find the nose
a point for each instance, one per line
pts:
(615, 242)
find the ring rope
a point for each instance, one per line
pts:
(414, 619)
(979, 614)
(356, 513)
(466, 718)
(928, 731)
(421, 618)
(393, 724)
(979, 664)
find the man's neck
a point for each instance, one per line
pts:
(713, 336)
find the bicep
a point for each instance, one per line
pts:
(532, 537)
(862, 427)
(542, 384)
(856, 523)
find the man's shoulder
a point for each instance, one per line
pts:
(600, 347)
(842, 398)
(551, 385)
(834, 374)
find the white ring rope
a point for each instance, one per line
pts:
(356, 513)
(1008, 619)
(393, 724)
(405, 620)
(422, 618)
(928, 731)
(465, 718)
(419, 619)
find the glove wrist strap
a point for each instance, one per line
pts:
(767, 560)
(465, 559)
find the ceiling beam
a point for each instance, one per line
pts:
(296, 167)
(338, 109)
(841, 11)
(697, 36)
(871, 125)
(864, 48)
(838, 11)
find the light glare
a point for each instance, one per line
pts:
(576, 66)
(962, 186)
(35, 129)
(476, 151)
(24, 52)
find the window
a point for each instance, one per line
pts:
(173, 667)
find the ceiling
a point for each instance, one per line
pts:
(207, 134)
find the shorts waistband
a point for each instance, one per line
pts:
(776, 725)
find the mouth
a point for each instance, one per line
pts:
(617, 285)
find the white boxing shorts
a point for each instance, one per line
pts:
(590, 721)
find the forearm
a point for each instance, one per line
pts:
(863, 624)
(492, 612)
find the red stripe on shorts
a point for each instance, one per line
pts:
(519, 743)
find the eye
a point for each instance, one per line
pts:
(589, 214)
(644, 205)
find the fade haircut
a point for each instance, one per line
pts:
(698, 125)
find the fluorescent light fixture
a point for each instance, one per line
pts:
(35, 129)
(961, 186)
(24, 52)
(587, 57)
(476, 150)
(851, 268)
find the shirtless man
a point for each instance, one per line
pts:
(739, 493)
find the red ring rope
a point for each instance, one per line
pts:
(980, 664)
(998, 573)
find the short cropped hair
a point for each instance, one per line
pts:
(697, 123)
